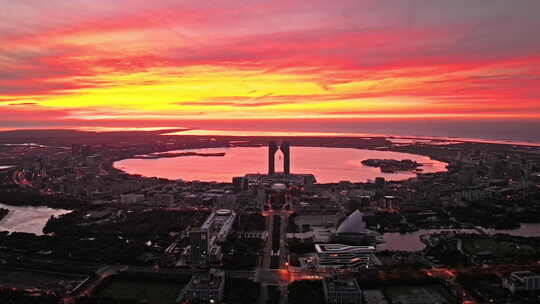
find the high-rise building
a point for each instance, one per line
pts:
(285, 149)
(272, 149)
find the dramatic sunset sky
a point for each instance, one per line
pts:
(78, 62)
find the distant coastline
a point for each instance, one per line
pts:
(64, 137)
(177, 154)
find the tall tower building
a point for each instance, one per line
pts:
(285, 149)
(272, 149)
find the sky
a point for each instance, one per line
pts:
(140, 62)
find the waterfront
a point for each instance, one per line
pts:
(28, 219)
(411, 241)
(327, 164)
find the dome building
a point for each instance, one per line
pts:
(353, 230)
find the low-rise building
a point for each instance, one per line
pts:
(263, 235)
(204, 248)
(204, 288)
(132, 198)
(163, 199)
(306, 220)
(319, 234)
(342, 291)
(522, 281)
(344, 257)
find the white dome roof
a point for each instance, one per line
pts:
(354, 223)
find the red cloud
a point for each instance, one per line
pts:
(480, 59)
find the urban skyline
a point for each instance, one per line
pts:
(269, 152)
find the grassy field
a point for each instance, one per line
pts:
(22, 279)
(154, 292)
(415, 294)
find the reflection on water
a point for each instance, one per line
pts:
(411, 241)
(28, 219)
(327, 164)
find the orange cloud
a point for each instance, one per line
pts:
(102, 61)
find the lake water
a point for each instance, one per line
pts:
(327, 164)
(28, 219)
(411, 241)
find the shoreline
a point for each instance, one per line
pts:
(25, 198)
(285, 134)
(417, 171)
(419, 147)
(247, 134)
(174, 155)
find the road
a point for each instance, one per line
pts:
(450, 277)
(263, 294)
(88, 287)
(275, 273)
(267, 252)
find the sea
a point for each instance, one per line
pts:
(510, 131)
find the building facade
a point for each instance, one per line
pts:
(342, 291)
(204, 288)
(199, 245)
(522, 281)
(331, 257)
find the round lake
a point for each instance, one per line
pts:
(327, 164)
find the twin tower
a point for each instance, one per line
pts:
(285, 149)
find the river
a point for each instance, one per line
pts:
(411, 241)
(28, 219)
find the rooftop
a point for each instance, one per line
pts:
(354, 223)
(341, 285)
(339, 248)
(206, 281)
